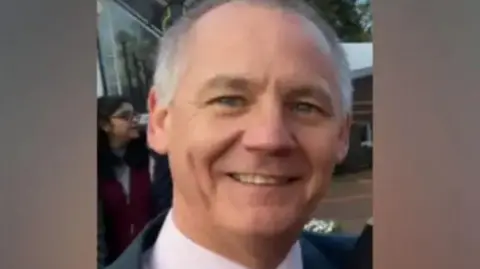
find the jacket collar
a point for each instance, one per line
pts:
(134, 255)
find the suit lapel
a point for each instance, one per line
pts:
(134, 255)
(312, 257)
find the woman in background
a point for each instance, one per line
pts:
(124, 184)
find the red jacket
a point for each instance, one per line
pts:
(124, 217)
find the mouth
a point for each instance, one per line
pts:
(262, 180)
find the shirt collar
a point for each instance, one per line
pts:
(173, 250)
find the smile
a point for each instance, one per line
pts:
(261, 180)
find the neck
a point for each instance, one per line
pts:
(255, 252)
(116, 144)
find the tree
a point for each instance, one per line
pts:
(136, 55)
(346, 18)
(367, 20)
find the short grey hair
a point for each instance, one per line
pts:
(169, 66)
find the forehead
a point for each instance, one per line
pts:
(254, 40)
(248, 19)
(254, 22)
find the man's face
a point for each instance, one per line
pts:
(254, 130)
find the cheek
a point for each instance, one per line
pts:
(186, 167)
(323, 163)
(320, 149)
(207, 138)
(194, 146)
(116, 128)
(123, 128)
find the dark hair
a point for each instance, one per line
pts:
(136, 151)
(107, 105)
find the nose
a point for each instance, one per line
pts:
(135, 119)
(268, 131)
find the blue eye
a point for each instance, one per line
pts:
(231, 101)
(303, 107)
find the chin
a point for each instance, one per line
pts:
(266, 222)
(134, 134)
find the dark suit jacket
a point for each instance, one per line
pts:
(318, 251)
(362, 256)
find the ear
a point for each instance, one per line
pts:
(344, 139)
(105, 126)
(157, 129)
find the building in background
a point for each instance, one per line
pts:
(360, 58)
(360, 155)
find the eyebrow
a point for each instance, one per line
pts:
(235, 83)
(319, 91)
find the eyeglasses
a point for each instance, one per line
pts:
(127, 115)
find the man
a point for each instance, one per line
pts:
(251, 103)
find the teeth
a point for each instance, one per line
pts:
(259, 179)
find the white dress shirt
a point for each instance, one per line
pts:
(173, 250)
